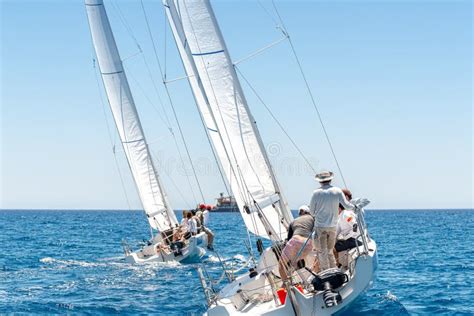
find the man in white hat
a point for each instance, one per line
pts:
(324, 206)
(304, 209)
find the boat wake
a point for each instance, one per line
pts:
(68, 263)
(106, 262)
(236, 259)
(390, 297)
(390, 301)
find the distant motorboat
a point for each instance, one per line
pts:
(225, 204)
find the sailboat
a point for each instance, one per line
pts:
(158, 210)
(243, 160)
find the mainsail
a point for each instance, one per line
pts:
(159, 213)
(228, 120)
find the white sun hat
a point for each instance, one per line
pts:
(324, 176)
(303, 208)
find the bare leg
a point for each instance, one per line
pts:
(210, 237)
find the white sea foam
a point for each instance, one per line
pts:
(49, 260)
(212, 258)
(390, 297)
(240, 257)
(113, 259)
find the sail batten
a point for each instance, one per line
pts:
(228, 120)
(153, 198)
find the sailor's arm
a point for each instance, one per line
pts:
(342, 199)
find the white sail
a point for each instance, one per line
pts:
(159, 213)
(225, 113)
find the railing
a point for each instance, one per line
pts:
(362, 226)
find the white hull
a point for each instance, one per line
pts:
(253, 296)
(193, 250)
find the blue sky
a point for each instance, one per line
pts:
(393, 81)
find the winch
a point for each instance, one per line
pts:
(328, 281)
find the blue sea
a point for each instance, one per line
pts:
(71, 262)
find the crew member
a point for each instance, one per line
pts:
(324, 206)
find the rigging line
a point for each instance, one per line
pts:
(171, 180)
(168, 124)
(268, 13)
(170, 130)
(156, 90)
(152, 171)
(313, 101)
(231, 171)
(137, 83)
(219, 111)
(242, 138)
(129, 29)
(276, 120)
(171, 101)
(110, 136)
(261, 50)
(164, 47)
(130, 32)
(177, 79)
(125, 24)
(243, 182)
(206, 131)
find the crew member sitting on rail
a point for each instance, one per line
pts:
(162, 247)
(192, 225)
(184, 220)
(178, 241)
(205, 215)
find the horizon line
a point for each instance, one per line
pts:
(179, 210)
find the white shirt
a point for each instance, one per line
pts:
(324, 205)
(192, 225)
(345, 225)
(184, 223)
(205, 216)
